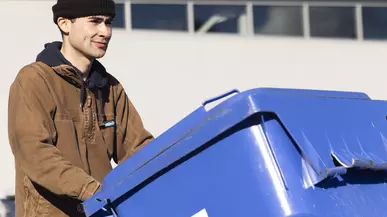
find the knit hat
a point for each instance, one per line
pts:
(83, 8)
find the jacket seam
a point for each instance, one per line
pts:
(39, 70)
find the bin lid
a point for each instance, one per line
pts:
(346, 126)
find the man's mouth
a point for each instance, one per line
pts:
(100, 44)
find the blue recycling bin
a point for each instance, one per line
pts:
(262, 152)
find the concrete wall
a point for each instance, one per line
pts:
(169, 75)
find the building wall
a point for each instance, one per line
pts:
(167, 75)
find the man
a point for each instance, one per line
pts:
(68, 117)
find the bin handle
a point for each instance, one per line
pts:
(220, 96)
(109, 207)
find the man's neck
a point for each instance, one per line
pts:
(77, 59)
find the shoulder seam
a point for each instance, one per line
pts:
(39, 68)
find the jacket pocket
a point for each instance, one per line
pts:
(34, 204)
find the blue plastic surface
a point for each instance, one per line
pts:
(262, 152)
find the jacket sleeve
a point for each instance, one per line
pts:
(32, 133)
(131, 134)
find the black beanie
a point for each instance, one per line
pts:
(83, 8)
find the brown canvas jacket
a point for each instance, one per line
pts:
(64, 132)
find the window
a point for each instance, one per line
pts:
(159, 17)
(334, 22)
(220, 18)
(119, 20)
(278, 20)
(374, 23)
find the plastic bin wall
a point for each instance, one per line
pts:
(264, 152)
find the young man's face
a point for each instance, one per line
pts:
(90, 35)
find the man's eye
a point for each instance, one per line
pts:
(95, 21)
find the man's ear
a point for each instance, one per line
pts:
(64, 25)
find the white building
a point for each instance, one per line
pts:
(173, 55)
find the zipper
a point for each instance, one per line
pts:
(90, 113)
(89, 126)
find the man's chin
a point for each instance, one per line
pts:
(99, 55)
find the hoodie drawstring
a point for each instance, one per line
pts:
(97, 82)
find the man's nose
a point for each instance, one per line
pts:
(105, 30)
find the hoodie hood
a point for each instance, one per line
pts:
(96, 79)
(51, 55)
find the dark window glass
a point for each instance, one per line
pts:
(159, 16)
(119, 20)
(374, 23)
(219, 18)
(334, 22)
(278, 20)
